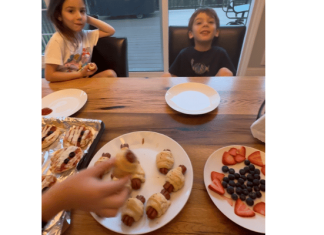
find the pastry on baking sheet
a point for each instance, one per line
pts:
(133, 210)
(164, 161)
(157, 205)
(78, 136)
(175, 179)
(104, 157)
(65, 159)
(48, 181)
(49, 135)
(126, 162)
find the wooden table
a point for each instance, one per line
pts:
(137, 104)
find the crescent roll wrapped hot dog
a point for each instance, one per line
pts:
(104, 157)
(158, 204)
(133, 210)
(164, 161)
(126, 162)
(175, 179)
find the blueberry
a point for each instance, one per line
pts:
(231, 176)
(262, 182)
(249, 189)
(256, 176)
(242, 197)
(258, 194)
(238, 184)
(246, 162)
(230, 190)
(256, 189)
(49, 133)
(237, 175)
(250, 177)
(249, 201)
(251, 172)
(245, 191)
(243, 186)
(241, 181)
(79, 139)
(243, 177)
(252, 195)
(231, 171)
(256, 182)
(234, 196)
(226, 179)
(262, 187)
(257, 171)
(242, 172)
(72, 154)
(239, 191)
(246, 169)
(225, 169)
(224, 184)
(251, 167)
(249, 184)
(66, 160)
(232, 183)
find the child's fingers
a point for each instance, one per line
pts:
(99, 169)
(114, 186)
(116, 200)
(107, 213)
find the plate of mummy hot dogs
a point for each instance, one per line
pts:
(160, 185)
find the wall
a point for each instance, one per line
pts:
(256, 65)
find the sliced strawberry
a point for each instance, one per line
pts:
(255, 158)
(217, 187)
(242, 151)
(228, 159)
(260, 208)
(263, 169)
(233, 151)
(239, 158)
(229, 200)
(242, 210)
(216, 175)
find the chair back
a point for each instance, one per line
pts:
(111, 53)
(230, 38)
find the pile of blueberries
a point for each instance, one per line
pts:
(246, 184)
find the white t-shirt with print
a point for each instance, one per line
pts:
(61, 52)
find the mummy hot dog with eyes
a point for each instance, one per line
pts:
(104, 157)
(126, 162)
(175, 179)
(133, 210)
(164, 161)
(158, 204)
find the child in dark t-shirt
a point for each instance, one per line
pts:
(203, 59)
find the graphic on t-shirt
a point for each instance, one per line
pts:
(76, 62)
(199, 68)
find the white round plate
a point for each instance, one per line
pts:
(192, 98)
(146, 145)
(214, 163)
(64, 103)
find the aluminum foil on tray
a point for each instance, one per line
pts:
(62, 220)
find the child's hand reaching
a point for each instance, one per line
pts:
(86, 191)
(89, 69)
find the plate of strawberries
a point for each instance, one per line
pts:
(234, 177)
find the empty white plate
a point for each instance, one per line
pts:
(64, 103)
(192, 98)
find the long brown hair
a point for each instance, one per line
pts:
(54, 11)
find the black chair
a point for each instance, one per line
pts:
(111, 53)
(230, 38)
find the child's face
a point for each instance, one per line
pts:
(203, 28)
(74, 15)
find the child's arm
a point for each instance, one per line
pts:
(52, 75)
(105, 29)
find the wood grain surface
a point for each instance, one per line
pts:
(138, 104)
